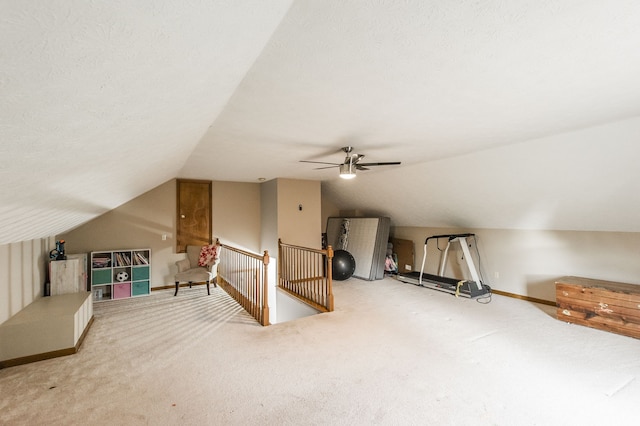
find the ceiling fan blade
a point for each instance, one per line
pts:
(351, 163)
(390, 163)
(319, 162)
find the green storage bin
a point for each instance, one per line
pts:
(140, 288)
(140, 273)
(101, 276)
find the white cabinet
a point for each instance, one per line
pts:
(68, 276)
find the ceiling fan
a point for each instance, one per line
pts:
(351, 164)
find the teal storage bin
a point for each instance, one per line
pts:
(140, 273)
(140, 288)
(101, 276)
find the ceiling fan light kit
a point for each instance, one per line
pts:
(351, 164)
(347, 171)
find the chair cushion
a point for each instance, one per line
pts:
(197, 274)
(207, 255)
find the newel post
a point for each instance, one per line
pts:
(330, 278)
(265, 289)
(279, 265)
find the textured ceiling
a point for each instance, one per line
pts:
(505, 114)
(102, 101)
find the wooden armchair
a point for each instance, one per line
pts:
(190, 271)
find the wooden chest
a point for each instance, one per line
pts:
(604, 305)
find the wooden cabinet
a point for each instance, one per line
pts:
(120, 274)
(68, 276)
(604, 305)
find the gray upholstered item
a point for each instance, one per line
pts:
(190, 272)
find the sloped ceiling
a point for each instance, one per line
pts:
(103, 101)
(505, 114)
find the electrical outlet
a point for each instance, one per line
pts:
(164, 237)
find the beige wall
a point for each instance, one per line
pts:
(328, 209)
(528, 262)
(269, 216)
(282, 217)
(137, 224)
(22, 274)
(297, 226)
(250, 215)
(143, 221)
(236, 214)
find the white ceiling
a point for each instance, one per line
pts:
(505, 114)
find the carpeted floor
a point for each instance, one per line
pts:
(390, 354)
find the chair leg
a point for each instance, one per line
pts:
(190, 283)
(208, 292)
(215, 281)
(177, 285)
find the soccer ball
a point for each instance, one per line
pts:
(122, 276)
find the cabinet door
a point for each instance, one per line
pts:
(65, 277)
(193, 222)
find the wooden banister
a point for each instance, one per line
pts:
(305, 273)
(245, 277)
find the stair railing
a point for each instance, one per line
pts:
(244, 276)
(305, 273)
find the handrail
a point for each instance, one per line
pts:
(244, 276)
(305, 273)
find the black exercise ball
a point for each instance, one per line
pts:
(343, 265)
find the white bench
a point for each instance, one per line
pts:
(47, 328)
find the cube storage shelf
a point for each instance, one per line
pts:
(120, 274)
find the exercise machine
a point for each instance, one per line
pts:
(466, 288)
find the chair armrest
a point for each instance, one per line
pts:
(183, 265)
(214, 264)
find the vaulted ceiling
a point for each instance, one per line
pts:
(504, 114)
